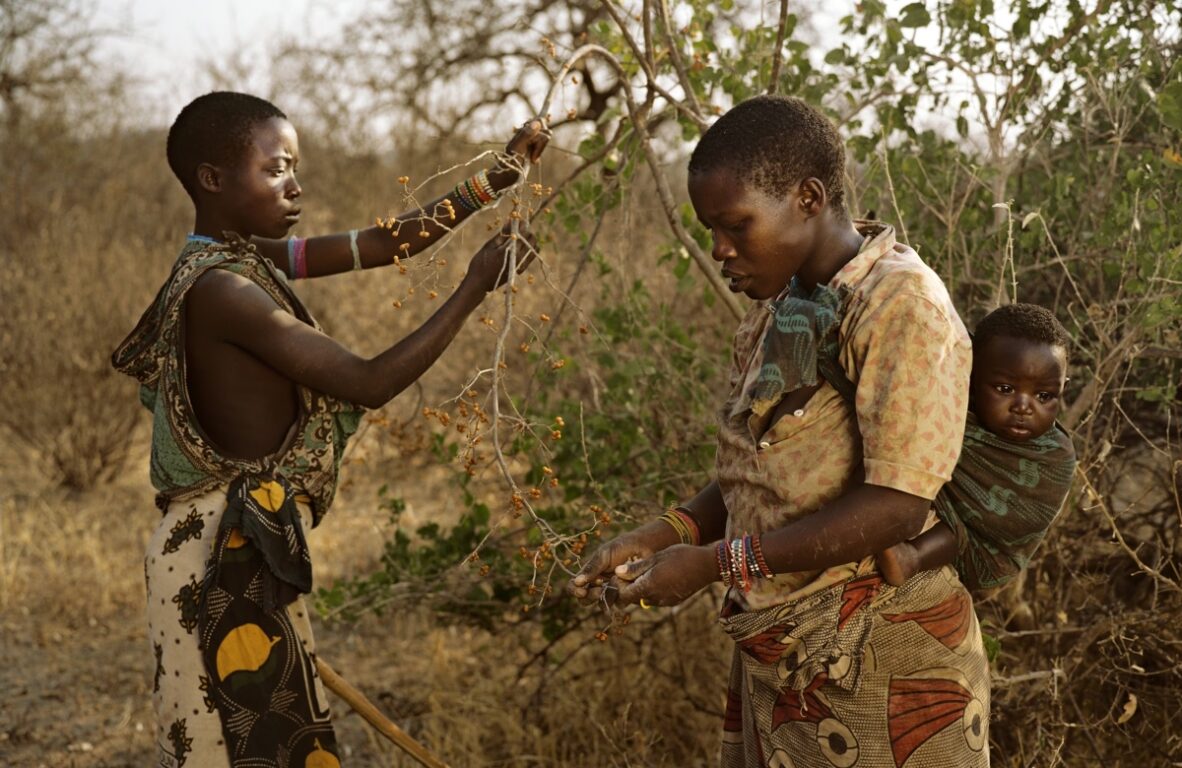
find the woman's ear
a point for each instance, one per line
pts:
(813, 197)
(209, 178)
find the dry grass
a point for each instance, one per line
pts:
(71, 595)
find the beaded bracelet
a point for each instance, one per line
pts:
(757, 548)
(740, 564)
(678, 525)
(690, 523)
(741, 561)
(475, 192)
(722, 553)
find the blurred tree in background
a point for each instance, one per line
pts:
(1029, 152)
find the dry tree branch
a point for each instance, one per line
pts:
(639, 116)
(668, 204)
(641, 57)
(1098, 501)
(675, 57)
(778, 53)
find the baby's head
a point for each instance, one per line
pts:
(1019, 371)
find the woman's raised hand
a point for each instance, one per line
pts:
(489, 268)
(530, 140)
(526, 145)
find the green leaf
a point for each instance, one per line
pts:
(1169, 103)
(992, 646)
(915, 15)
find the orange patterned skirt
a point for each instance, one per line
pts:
(860, 675)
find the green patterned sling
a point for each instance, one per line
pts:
(1003, 495)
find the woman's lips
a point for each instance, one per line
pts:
(735, 282)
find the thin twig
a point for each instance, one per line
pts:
(778, 52)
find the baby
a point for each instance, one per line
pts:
(1016, 465)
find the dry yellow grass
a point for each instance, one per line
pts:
(75, 666)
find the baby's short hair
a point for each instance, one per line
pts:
(775, 142)
(214, 128)
(1022, 321)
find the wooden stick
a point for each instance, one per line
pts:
(362, 706)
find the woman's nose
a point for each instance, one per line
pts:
(293, 189)
(722, 249)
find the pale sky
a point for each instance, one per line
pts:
(165, 41)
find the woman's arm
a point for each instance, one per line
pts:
(864, 520)
(708, 509)
(236, 311)
(415, 231)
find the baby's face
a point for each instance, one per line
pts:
(1017, 386)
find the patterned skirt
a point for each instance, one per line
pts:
(271, 671)
(861, 675)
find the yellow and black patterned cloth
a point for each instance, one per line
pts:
(260, 675)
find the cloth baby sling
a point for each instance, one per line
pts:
(1003, 495)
